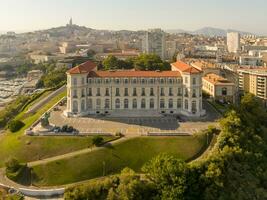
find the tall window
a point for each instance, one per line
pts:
(74, 93)
(143, 103)
(162, 103)
(107, 103)
(75, 107)
(151, 91)
(82, 81)
(117, 92)
(126, 103)
(161, 91)
(89, 92)
(117, 104)
(98, 92)
(83, 93)
(194, 106)
(134, 92)
(186, 92)
(151, 103)
(179, 91)
(107, 92)
(134, 104)
(83, 106)
(224, 91)
(89, 103)
(194, 81)
(194, 95)
(74, 81)
(98, 104)
(143, 92)
(126, 91)
(170, 103)
(170, 92)
(186, 104)
(179, 103)
(186, 80)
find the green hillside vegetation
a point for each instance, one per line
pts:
(235, 169)
(133, 153)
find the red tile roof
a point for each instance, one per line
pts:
(184, 67)
(83, 68)
(113, 74)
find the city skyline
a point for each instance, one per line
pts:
(29, 15)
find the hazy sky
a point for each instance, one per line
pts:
(247, 15)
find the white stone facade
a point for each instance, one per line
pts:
(98, 92)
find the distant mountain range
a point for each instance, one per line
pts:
(209, 31)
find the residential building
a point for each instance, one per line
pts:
(90, 91)
(254, 80)
(219, 88)
(233, 42)
(250, 60)
(154, 42)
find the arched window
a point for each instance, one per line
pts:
(89, 103)
(126, 103)
(194, 106)
(152, 104)
(83, 106)
(117, 104)
(143, 104)
(186, 104)
(170, 103)
(134, 104)
(224, 91)
(162, 103)
(98, 104)
(75, 107)
(107, 104)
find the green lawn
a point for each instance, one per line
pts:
(26, 148)
(132, 153)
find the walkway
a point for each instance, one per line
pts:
(7, 182)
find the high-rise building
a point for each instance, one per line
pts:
(233, 42)
(154, 42)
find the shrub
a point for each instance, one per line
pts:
(12, 165)
(15, 125)
(97, 140)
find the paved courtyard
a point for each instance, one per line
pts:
(135, 125)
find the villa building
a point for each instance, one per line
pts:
(219, 88)
(90, 91)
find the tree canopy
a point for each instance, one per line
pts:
(234, 170)
(150, 62)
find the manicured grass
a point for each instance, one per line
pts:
(29, 148)
(25, 148)
(133, 153)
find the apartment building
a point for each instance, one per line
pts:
(254, 80)
(90, 91)
(233, 42)
(154, 42)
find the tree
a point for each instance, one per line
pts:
(111, 63)
(168, 175)
(97, 140)
(15, 125)
(150, 62)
